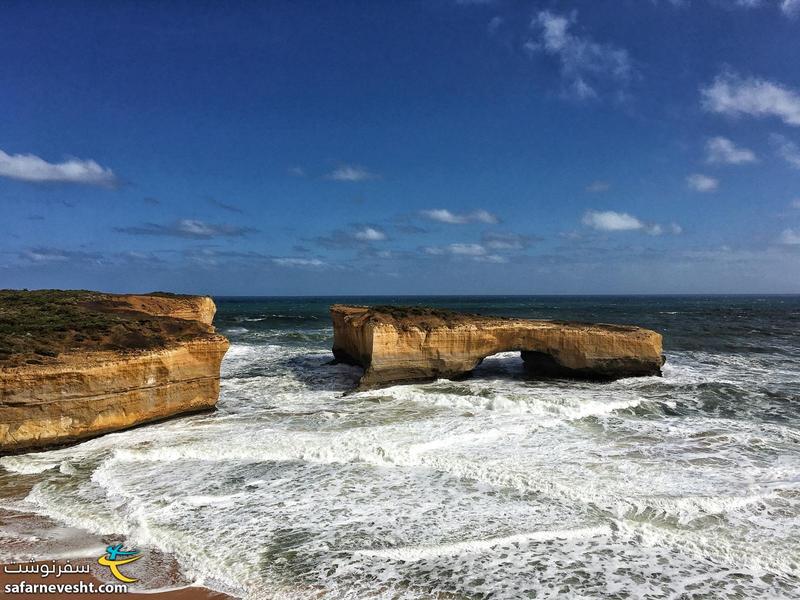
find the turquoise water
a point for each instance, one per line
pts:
(686, 486)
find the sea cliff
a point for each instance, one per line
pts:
(74, 365)
(401, 345)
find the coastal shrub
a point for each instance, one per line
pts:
(36, 326)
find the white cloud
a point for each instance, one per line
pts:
(369, 234)
(722, 150)
(188, 228)
(44, 255)
(735, 96)
(298, 262)
(795, 203)
(28, 167)
(351, 173)
(476, 252)
(790, 8)
(598, 186)
(467, 249)
(196, 228)
(506, 241)
(585, 65)
(702, 183)
(491, 258)
(297, 171)
(445, 216)
(786, 149)
(790, 237)
(611, 221)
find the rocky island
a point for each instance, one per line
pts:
(410, 344)
(77, 364)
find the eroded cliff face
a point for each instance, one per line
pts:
(80, 394)
(397, 347)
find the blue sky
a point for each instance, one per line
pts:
(432, 146)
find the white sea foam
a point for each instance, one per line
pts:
(492, 486)
(413, 553)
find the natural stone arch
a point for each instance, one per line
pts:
(401, 345)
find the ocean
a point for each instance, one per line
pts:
(497, 486)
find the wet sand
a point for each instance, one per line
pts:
(32, 542)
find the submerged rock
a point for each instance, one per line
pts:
(402, 345)
(74, 365)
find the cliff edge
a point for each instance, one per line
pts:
(407, 344)
(77, 364)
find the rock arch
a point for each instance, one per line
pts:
(402, 345)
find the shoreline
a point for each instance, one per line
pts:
(33, 541)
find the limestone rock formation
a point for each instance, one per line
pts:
(101, 363)
(400, 345)
(191, 308)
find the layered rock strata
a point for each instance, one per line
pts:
(81, 392)
(401, 345)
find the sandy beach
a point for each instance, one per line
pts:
(28, 537)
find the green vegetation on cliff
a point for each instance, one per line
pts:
(36, 326)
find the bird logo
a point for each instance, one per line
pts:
(116, 556)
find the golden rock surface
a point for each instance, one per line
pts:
(396, 345)
(87, 393)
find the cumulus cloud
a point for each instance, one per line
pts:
(790, 237)
(612, 221)
(370, 234)
(786, 149)
(585, 66)
(445, 216)
(732, 95)
(702, 183)
(351, 173)
(28, 167)
(188, 228)
(297, 171)
(723, 151)
(598, 186)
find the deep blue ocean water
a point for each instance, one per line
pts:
(682, 486)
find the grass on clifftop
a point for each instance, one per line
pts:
(405, 312)
(422, 316)
(36, 326)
